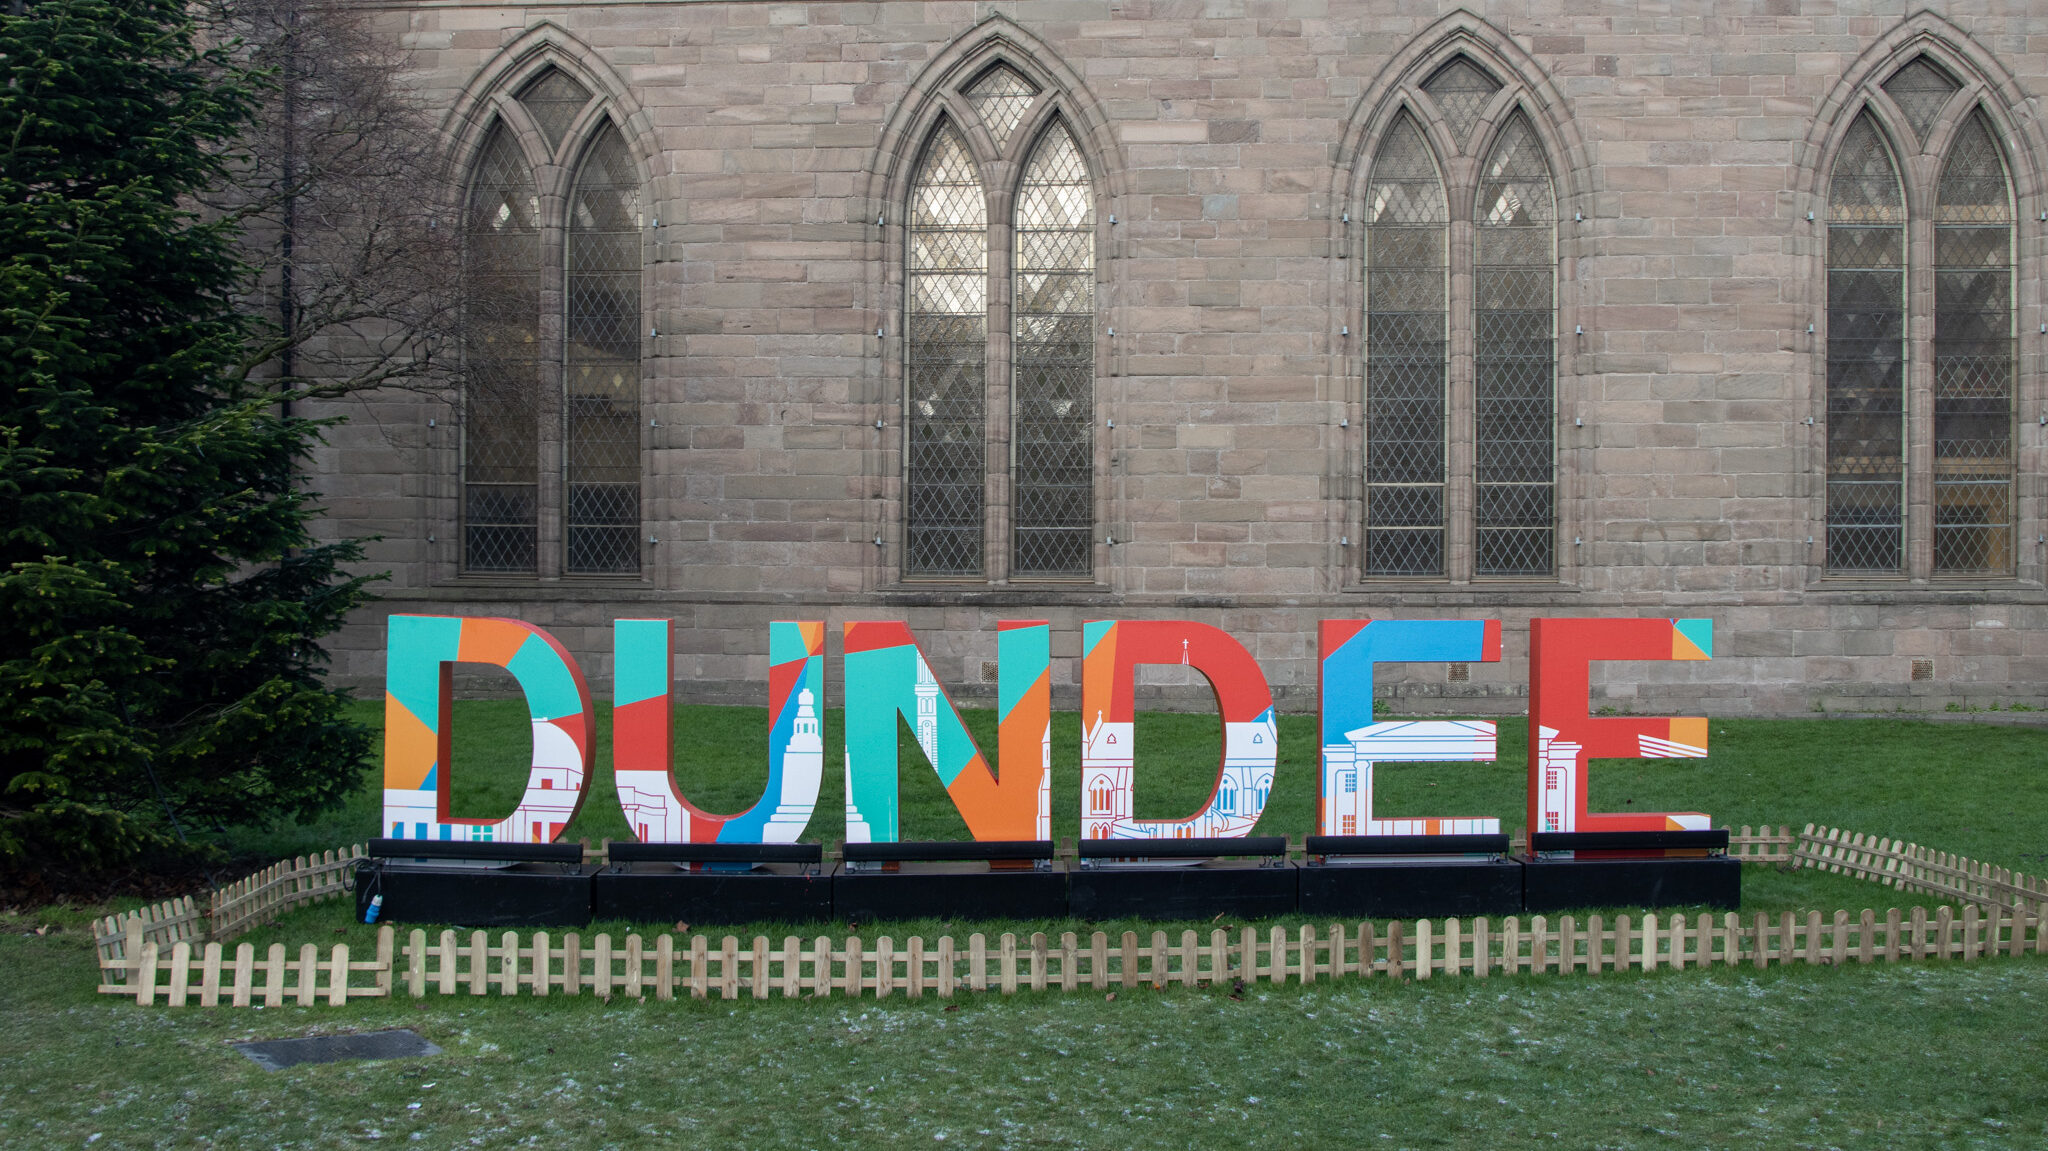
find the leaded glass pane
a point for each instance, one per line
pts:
(945, 357)
(502, 370)
(1514, 276)
(1973, 359)
(1461, 90)
(1866, 357)
(1864, 188)
(1406, 216)
(601, 431)
(1001, 98)
(1054, 460)
(1921, 89)
(553, 100)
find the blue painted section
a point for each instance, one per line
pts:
(1348, 671)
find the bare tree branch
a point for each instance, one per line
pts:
(347, 218)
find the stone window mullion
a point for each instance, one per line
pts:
(1001, 424)
(1459, 496)
(1919, 453)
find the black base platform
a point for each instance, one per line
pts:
(1241, 889)
(712, 883)
(467, 891)
(968, 880)
(1631, 869)
(1411, 888)
(948, 890)
(1248, 878)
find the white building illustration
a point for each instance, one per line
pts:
(656, 815)
(858, 829)
(1347, 773)
(803, 769)
(553, 786)
(1556, 797)
(1044, 823)
(927, 692)
(1250, 751)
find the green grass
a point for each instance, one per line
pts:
(1980, 790)
(1940, 1055)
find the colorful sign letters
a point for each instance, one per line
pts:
(1111, 652)
(888, 680)
(1562, 737)
(887, 677)
(420, 655)
(1353, 742)
(641, 741)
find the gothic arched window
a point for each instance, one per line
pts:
(1459, 460)
(999, 341)
(551, 458)
(1920, 427)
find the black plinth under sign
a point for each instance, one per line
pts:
(968, 880)
(1410, 876)
(475, 884)
(1182, 879)
(1631, 869)
(713, 883)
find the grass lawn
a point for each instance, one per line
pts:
(1940, 1055)
(1977, 789)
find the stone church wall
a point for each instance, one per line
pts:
(1229, 141)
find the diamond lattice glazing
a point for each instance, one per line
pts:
(554, 99)
(1514, 360)
(1461, 90)
(1404, 359)
(1001, 98)
(502, 377)
(1973, 359)
(1866, 357)
(601, 428)
(1921, 89)
(945, 357)
(1053, 464)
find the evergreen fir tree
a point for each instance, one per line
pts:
(161, 597)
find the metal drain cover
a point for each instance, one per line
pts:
(278, 1054)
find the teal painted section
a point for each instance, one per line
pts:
(550, 690)
(786, 643)
(639, 660)
(1092, 633)
(1022, 655)
(880, 685)
(415, 647)
(872, 679)
(1699, 631)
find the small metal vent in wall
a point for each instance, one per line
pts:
(1923, 669)
(1458, 673)
(988, 671)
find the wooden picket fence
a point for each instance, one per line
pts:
(536, 965)
(163, 952)
(232, 910)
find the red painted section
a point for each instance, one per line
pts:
(873, 635)
(641, 739)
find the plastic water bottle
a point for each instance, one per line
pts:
(376, 908)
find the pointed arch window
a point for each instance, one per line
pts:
(1920, 456)
(999, 344)
(551, 452)
(1459, 454)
